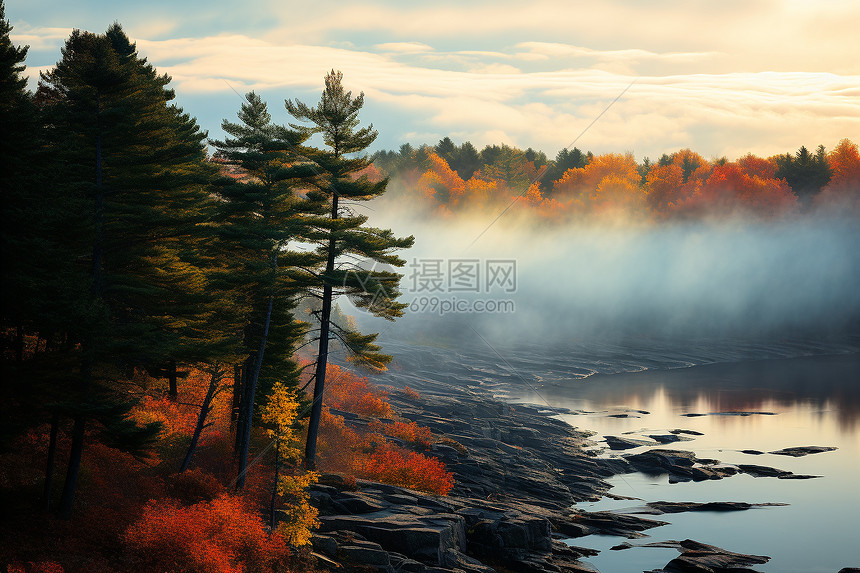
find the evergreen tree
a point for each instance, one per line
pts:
(508, 166)
(42, 288)
(260, 213)
(565, 159)
(135, 168)
(805, 172)
(446, 149)
(342, 235)
(538, 158)
(466, 161)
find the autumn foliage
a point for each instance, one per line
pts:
(219, 536)
(610, 186)
(408, 469)
(352, 393)
(367, 451)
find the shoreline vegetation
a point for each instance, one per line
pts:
(161, 407)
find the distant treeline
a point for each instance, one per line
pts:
(454, 178)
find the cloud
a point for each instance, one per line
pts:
(404, 47)
(509, 70)
(39, 38)
(551, 50)
(718, 114)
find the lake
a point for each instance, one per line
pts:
(791, 393)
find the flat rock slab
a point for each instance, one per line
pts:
(766, 471)
(680, 465)
(688, 432)
(616, 443)
(669, 438)
(701, 558)
(800, 451)
(661, 507)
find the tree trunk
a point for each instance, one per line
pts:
(49, 467)
(237, 396)
(322, 358)
(205, 408)
(249, 399)
(172, 388)
(247, 368)
(74, 468)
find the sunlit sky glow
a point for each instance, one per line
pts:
(721, 78)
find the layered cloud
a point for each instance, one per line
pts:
(509, 72)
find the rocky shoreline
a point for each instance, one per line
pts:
(518, 472)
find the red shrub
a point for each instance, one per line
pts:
(352, 393)
(410, 393)
(393, 465)
(220, 536)
(410, 432)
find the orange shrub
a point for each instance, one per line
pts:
(179, 418)
(393, 465)
(410, 432)
(410, 393)
(338, 444)
(352, 393)
(220, 536)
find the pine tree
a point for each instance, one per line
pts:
(805, 172)
(135, 168)
(342, 235)
(260, 213)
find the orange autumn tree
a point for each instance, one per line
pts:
(440, 183)
(546, 207)
(755, 166)
(669, 183)
(731, 190)
(608, 184)
(843, 190)
(449, 193)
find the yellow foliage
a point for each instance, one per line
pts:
(299, 516)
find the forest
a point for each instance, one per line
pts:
(176, 370)
(580, 186)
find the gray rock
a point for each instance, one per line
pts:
(668, 438)
(324, 544)
(701, 558)
(616, 443)
(661, 507)
(800, 451)
(688, 432)
(363, 555)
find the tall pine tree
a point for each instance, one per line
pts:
(260, 214)
(135, 165)
(342, 236)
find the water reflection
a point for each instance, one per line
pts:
(814, 401)
(825, 384)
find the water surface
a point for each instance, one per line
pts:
(795, 394)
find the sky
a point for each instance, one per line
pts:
(722, 78)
